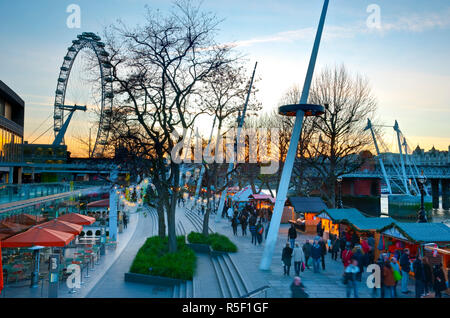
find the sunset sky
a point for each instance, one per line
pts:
(406, 59)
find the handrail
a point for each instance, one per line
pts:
(257, 291)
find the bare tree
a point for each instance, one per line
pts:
(158, 68)
(339, 135)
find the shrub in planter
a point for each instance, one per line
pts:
(81, 234)
(153, 258)
(89, 233)
(218, 242)
(98, 233)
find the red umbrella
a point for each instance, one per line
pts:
(99, 204)
(63, 226)
(39, 236)
(12, 227)
(29, 219)
(77, 218)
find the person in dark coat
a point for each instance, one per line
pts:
(428, 278)
(405, 265)
(286, 257)
(234, 224)
(381, 263)
(439, 284)
(292, 235)
(259, 231)
(307, 251)
(419, 276)
(342, 244)
(316, 254)
(244, 224)
(358, 255)
(335, 245)
(323, 249)
(297, 289)
(319, 229)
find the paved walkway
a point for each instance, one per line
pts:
(326, 284)
(113, 285)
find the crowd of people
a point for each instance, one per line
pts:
(356, 254)
(248, 218)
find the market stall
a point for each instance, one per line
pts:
(302, 212)
(420, 238)
(263, 203)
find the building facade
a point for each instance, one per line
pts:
(12, 111)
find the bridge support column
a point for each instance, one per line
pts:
(445, 194)
(11, 175)
(435, 192)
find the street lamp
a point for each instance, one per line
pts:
(339, 203)
(422, 215)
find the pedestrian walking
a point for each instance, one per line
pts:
(389, 280)
(244, 225)
(334, 247)
(286, 257)
(323, 250)
(297, 289)
(397, 275)
(350, 278)
(234, 224)
(358, 255)
(292, 235)
(252, 228)
(259, 231)
(405, 265)
(381, 262)
(439, 283)
(316, 254)
(428, 277)
(299, 259)
(347, 254)
(307, 252)
(125, 220)
(419, 276)
(319, 228)
(230, 212)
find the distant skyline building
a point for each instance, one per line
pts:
(12, 110)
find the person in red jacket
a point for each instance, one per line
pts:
(347, 254)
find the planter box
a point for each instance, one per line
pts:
(152, 280)
(200, 248)
(217, 253)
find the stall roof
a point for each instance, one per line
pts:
(264, 197)
(371, 223)
(243, 195)
(418, 232)
(338, 215)
(307, 204)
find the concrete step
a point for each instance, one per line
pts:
(237, 280)
(224, 291)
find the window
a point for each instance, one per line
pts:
(2, 107)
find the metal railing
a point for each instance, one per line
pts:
(257, 291)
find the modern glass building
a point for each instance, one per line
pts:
(12, 109)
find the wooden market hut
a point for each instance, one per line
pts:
(305, 209)
(423, 238)
(263, 203)
(334, 221)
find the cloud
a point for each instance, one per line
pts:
(419, 22)
(412, 23)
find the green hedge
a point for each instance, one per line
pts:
(153, 258)
(218, 242)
